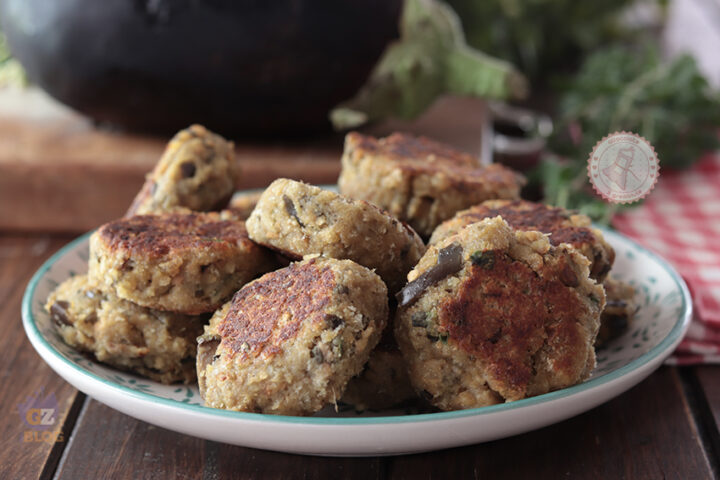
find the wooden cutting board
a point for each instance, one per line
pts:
(60, 172)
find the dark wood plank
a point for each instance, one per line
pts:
(24, 374)
(703, 383)
(108, 444)
(645, 433)
(709, 378)
(247, 463)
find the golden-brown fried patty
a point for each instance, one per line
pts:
(297, 219)
(619, 310)
(562, 225)
(420, 181)
(197, 171)
(158, 345)
(186, 263)
(289, 342)
(493, 314)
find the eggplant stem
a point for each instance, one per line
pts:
(431, 59)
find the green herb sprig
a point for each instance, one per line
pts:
(620, 88)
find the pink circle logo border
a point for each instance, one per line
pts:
(623, 167)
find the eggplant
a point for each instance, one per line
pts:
(243, 68)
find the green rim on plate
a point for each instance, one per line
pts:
(674, 335)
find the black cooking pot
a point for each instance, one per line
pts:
(239, 67)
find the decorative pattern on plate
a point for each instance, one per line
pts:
(658, 327)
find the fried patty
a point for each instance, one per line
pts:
(155, 344)
(197, 171)
(186, 263)
(289, 342)
(561, 225)
(493, 314)
(297, 219)
(619, 311)
(420, 181)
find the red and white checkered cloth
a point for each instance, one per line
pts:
(680, 220)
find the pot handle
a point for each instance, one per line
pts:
(532, 127)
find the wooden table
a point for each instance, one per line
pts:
(666, 427)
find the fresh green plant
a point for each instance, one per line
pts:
(623, 88)
(431, 58)
(541, 37)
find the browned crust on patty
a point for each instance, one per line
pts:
(514, 304)
(180, 262)
(420, 181)
(523, 215)
(160, 235)
(289, 342)
(409, 151)
(253, 326)
(516, 318)
(562, 226)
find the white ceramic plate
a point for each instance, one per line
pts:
(659, 326)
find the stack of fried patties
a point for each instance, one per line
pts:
(246, 360)
(297, 338)
(156, 275)
(506, 303)
(290, 341)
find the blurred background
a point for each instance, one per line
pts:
(91, 91)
